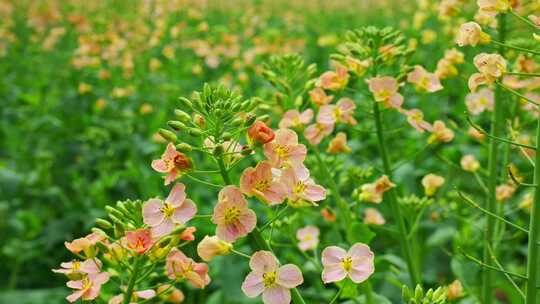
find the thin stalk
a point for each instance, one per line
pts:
(366, 286)
(336, 297)
(524, 20)
(534, 234)
(259, 243)
(517, 48)
(396, 210)
(493, 173)
(132, 280)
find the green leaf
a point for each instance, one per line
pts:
(360, 233)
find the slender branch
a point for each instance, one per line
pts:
(336, 297)
(202, 181)
(508, 277)
(275, 218)
(523, 74)
(479, 129)
(240, 253)
(524, 20)
(491, 214)
(132, 280)
(484, 265)
(517, 48)
(533, 271)
(517, 94)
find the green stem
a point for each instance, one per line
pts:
(534, 234)
(336, 297)
(342, 206)
(493, 173)
(517, 48)
(396, 211)
(259, 243)
(366, 286)
(525, 20)
(523, 74)
(132, 280)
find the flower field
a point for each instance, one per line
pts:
(243, 151)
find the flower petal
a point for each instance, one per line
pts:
(277, 295)
(177, 195)
(152, 214)
(332, 255)
(289, 276)
(253, 285)
(185, 212)
(263, 261)
(333, 273)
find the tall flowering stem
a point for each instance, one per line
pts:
(259, 243)
(394, 206)
(493, 171)
(132, 280)
(534, 233)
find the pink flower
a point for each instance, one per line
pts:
(285, 150)
(77, 267)
(142, 294)
(316, 132)
(139, 240)
(88, 287)
(162, 216)
(86, 244)
(308, 238)
(318, 97)
(423, 80)
(179, 267)
(294, 119)
(480, 101)
(232, 216)
(385, 90)
(172, 162)
(259, 182)
(440, 133)
(341, 112)
(301, 188)
(357, 263)
(268, 278)
(373, 217)
(334, 81)
(415, 118)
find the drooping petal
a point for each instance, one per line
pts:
(177, 195)
(75, 296)
(253, 285)
(314, 193)
(159, 165)
(289, 276)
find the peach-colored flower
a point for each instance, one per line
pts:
(315, 133)
(179, 266)
(454, 56)
(415, 118)
(294, 119)
(455, 290)
(334, 81)
(172, 162)
(162, 216)
(260, 133)
(431, 183)
(88, 287)
(372, 216)
(74, 268)
(188, 234)
(357, 263)
(338, 144)
(300, 187)
(469, 163)
(535, 19)
(212, 246)
(383, 88)
(373, 192)
(86, 244)
(284, 150)
(440, 133)
(232, 216)
(259, 182)
(170, 294)
(475, 134)
(319, 98)
(490, 66)
(445, 69)
(140, 294)
(480, 101)
(308, 238)
(504, 192)
(328, 215)
(470, 33)
(270, 279)
(493, 7)
(423, 80)
(341, 112)
(139, 240)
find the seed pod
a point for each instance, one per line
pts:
(194, 132)
(115, 212)
(186, 102)
(176, 125)
(103, 223)
(182, 116)
(184, 147)
(168, 135)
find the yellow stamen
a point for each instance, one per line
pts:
(346, 263)
(167, 210)
(231, 215)
(262, 185)
(299, 188)
(269, 279)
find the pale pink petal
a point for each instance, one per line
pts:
(100, 278)
(263, 261)
(253, 285)
(90, 266)
(75, 296)
(306, 116)
(185, 212)
(361, 272)
(333, 255)
(297, 154)
(75, 284)
(359, 250)
(289, 276)
(177, 195)
(314, 193)
(277, 295)
(146, 294)
(160, 166)
(247, 181)
(286, 137)
(152, 214)
(275, 194)
(165, 227)
(333, 273)
(92, 292)
(170, 152)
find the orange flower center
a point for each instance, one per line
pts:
(231, 215)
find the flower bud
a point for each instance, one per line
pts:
(184, 147)
(212, 246)
(260, 133)
(194, 132)
(186, 102)
(103, 223)
(182, 116)
(168, 135)
(176, 125)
